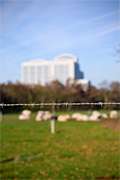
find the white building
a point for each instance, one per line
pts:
(61, 68)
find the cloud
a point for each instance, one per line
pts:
(33, 27)
(101, 17)
(108, 30)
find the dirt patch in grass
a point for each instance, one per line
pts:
(112, 123)
(108, 178)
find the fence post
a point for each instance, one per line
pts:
(52, 126)
(53, 120)
(1, 113)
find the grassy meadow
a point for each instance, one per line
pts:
(77, 151)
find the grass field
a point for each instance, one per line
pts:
(78, 150)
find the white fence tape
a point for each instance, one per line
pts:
(62, 104)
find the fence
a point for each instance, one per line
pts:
(55, 106)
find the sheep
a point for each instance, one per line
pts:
(104, 115)
(85, 118)
(96, 113)
(47, 115)
(77, 116)
(113, 114)
(25, 115)
(95, 116)
(43, 116)
(80, 117)
(26, 112)
(63, 118)
(39, 116)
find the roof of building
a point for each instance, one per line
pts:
(66, 56)
(63, 58)
(36, 62)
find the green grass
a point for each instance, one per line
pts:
(78, 150)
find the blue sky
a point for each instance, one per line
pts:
(89, 29)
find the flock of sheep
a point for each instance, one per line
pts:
(46, 115)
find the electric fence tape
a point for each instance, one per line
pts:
(2, 105)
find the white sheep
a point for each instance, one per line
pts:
(95, 116)
(39, 116)
(113, 114)
(43, 116)
(26, 112)
(96, 113)
(80, 117)
(63, 118)
(77, 116)
(85, 118)
(104, 115)
(25, 115)
(47, 115)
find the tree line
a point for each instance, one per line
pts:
(57, 92)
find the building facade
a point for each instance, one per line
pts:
(43, 72)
